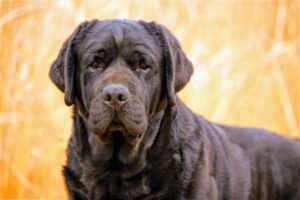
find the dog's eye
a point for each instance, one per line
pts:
(143, 65)
(95, 64)
(99, 60)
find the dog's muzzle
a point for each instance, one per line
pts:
(116, 112)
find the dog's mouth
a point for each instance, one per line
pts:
(116, 134)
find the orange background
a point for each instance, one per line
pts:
(245, 54)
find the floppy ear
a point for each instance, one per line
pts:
(178, 68)
(62, 71)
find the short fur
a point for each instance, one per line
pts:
(150, 145)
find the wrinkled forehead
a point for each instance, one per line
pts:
(121, 35)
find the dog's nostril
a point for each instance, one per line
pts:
(122, 97)
(107, 97)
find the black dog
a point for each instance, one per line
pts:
(134, 139)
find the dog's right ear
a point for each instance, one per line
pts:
(62, 71)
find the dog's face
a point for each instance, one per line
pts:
(120, 74)
(120, 79)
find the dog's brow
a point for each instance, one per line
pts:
(145, 47)
(118, 35)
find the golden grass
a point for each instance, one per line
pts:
(245, 53)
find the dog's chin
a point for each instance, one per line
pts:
(122, 146)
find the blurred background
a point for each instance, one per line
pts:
(245, 54)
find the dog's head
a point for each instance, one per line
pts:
(120, 73)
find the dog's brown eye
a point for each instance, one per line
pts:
(143, 66)
(95, 64)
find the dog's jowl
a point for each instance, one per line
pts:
(134, 139)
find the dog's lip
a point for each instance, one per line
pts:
(118, 128)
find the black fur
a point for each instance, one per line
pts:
(176, 154)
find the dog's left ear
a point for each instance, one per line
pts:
(178, 68)
(62, 71)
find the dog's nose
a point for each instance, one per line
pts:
(115, 94)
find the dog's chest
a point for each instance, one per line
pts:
(113, 186)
